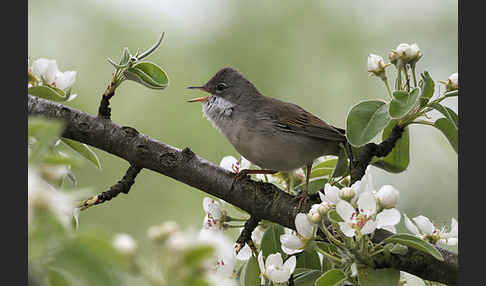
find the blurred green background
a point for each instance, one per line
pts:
(312, 54)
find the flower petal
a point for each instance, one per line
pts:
(274, 260)
(346, 211)
(244, 163)
(387, 217)
(424, 224)
(410, 225)
(278, 275)
(304, 226)
(346, 229)
(261, 264)
(244, 254)
(332, 194)
(291, 244)
(290, 264)
(212, 208)
(46, 69)
(65, 80)
(228, 162)
(367, 204)
(369, 227)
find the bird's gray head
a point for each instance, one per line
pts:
(229, 84)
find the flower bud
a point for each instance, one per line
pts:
(324, 207)
(346, 193)
(376, 65)
(125, 244)
(407, 53)
(393, 57)
(387, 196)
(453, 82)
(160, 233)
(315, 218)
(404, 51)
(313, 214)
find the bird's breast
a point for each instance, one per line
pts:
(220, 112)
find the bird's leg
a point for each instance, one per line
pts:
(305, 196)
(243, 173)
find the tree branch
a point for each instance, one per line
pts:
(122, 186)
(262, 200)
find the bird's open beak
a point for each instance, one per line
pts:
(199, 99)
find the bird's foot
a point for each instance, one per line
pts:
(303, 197)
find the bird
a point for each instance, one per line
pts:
(275, 135)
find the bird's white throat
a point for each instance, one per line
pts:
(218, 110)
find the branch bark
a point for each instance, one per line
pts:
(261, 200)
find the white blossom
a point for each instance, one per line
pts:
(376, 65)
(231, 164)
(425, 229)
(364, 219)
(214, 217)
(46, 69)
(65, 80)
(331, 195)
(49, 72)
(296, 242)
(453, 82)
(274, 269)
(407, 53)
(256, 237)
(125, 244)
(388, 196)
(404, 50)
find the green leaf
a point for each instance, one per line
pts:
(448, 129)
(383, 277)
(365, 120)
(330, 278)
(48, 92)
(271, 240)
(415, 242)
(314, 185)
(334, 217)
(399, 249)
(307, 278)
(452, 93)
(125, 57)
(403, 102)
(427, 86)
(308, 259)
(83, 150)
(447, 112)
(324, 168)
(250, 275)
(148, 74)
(326, 247)
(398, 159)
(341, 168)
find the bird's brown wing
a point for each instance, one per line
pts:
(296, 120)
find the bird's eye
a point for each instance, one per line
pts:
(221, 86)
